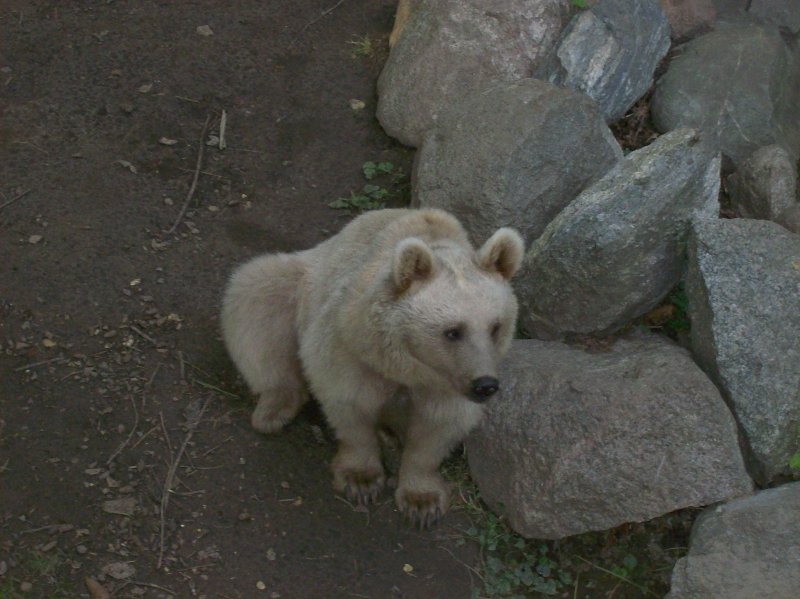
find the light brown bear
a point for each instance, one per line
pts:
(396, 321)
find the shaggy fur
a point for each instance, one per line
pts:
(390, 322)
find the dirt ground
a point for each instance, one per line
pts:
(114, 380)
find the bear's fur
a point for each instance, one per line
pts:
(396, 321)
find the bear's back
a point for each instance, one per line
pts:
(346, 265)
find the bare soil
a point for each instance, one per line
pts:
(126, 454)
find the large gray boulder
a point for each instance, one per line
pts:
(743, 287)
(790, 218)
(583, 441)
(765, 185)
(450, 48)
(610, 52)
(513, 154)
(740, 84)
(781, 13)
(619, 247)
(746, 549)
(687, 17)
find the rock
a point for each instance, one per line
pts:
(726, 8)
(743, 287)
(119, 570)
(781, 13)
(514, 154)
(583, 441)
(688, 16)
(740, 83)
(610, 52)
(765, 185)
(618, 248)
(124, 506)
(451, 48)
(747, 548)
(790, 218)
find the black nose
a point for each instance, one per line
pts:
(484, 387)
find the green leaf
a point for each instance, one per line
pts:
(369, 169)
(794, 461)
(580, 3)
(629, 561)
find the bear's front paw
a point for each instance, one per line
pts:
(423, 504)
(362, 486)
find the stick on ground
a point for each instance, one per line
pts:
(15, 198)
(130, 436)
(194, 179)
(191, 426)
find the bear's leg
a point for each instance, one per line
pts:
(258, 324)
(352, 403)
(436, 426)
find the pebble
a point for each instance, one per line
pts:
(34, 239)
(25, 587)
(82, 549)
(260, 585)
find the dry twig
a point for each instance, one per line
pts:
(130, 436)
(189, 195)
(15, 198)
(191, 427)
(321, 15)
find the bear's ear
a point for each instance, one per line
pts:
(502, 252)
(413, 261)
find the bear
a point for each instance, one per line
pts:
(395, 323)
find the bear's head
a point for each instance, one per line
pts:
(455, 310)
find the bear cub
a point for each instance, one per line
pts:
(396, 322)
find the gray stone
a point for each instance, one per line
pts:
(514, 154)
(781, 13)
(743, 286)
(746, 549)
(688, 16)
(765, 185)
(581, 441)
(619, 247)
(740, 83)
(450, 48)
(725, 8)
(610, 52)
(790, 218)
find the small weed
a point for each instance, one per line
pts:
(7, 590)
(510, 566)
(794, 461)
(679, 321)
(361, 47)
(371, 169)
(580, 4)
(49, 572)
(373, 196)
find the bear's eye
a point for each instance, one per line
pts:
(495, 330)
(453, 334)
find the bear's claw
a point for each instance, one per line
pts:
(362, 486)
(422, 510)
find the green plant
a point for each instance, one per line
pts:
(510, 566)
(362, 46)
(373, 196)
(580, 4)
(372, 169)
(794, 461)
(679, 321)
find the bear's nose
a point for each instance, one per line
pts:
(484, 387)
